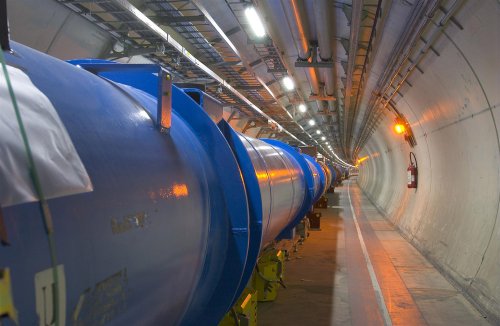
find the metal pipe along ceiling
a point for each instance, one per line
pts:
(300, 34)
(323, 19)
(323, 22)
(357, 8)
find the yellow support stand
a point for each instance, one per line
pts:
(302, 229)
(268, 274)
(6, 302)
(244, 312)
(266, 279)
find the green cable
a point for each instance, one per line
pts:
(47, 216)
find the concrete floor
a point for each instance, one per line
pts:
(329, 282)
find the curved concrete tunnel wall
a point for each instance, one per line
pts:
(453, 108)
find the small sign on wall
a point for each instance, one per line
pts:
(45, 291)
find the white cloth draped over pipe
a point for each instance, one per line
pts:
(59, 167)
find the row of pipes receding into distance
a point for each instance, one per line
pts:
(324, 25)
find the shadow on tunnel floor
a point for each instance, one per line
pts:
(313, 275)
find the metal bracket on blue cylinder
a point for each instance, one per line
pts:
(150, 78)
(212, 107)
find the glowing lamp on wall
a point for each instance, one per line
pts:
(399, 126)
(402, 127)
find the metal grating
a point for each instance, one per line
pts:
(187, 19)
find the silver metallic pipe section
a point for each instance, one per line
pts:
(357, 8)
(316, 177)
(328, 175)
(300, 32)
(299, 28)
(324, 27)
(322, 18)
(282, 185)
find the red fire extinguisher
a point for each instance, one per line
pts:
(412, 172)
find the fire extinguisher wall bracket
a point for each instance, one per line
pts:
(412, 172)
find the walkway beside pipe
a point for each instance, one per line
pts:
(330, 281)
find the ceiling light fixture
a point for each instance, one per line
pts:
(312, 122)
(318, 131)
(323, 138)
(302, 108)
(254, 21)
(288, 83)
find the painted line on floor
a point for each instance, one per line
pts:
(369, 265)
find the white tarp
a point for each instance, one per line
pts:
(59, 167)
